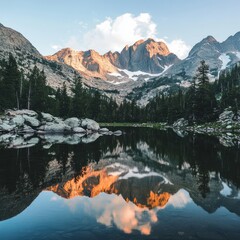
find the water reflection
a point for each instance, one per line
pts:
(125, 182)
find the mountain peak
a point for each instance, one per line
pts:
(209, 39)
(150, 40)
(10, 40)
(237, 34)
(91, 52)
(137, 43)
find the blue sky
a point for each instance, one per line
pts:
(108, 24)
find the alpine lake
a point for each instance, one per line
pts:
(144, 184)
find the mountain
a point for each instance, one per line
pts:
(143, 58)
(28, 56)
(146, 56)
(232, 44)
(217, 55)
(140, 71)
(89, 63)
(12, 41)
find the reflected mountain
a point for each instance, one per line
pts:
(145, 167)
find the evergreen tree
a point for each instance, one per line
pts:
(37, 90)
(78, 99)
(205, 101)
(10, 84)
(64, 102)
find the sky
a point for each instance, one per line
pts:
(105, 25)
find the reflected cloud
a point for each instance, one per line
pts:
(180, 199)
(113, 210)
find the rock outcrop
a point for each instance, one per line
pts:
(24, 128)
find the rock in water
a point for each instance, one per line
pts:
(226, 115)
(180, 123)
(72, 122)
(32, 121)
(47, 117)
(90, 124)
(29, 113)
(79, 130)
(4, 127)
(117, 133)
(55, 128)
(103, 130)
(18, 120)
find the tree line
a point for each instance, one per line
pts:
(30, 91)
(202, 102)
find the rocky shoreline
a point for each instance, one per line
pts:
(25, 128)
(226, 128)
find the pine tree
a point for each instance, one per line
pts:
(205, 101)
(64, 102)
(37, 90)
(10, 89)
(77, 100)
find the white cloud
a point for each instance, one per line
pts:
(114, 34)
(180, 199)
(179, 47)
(56, 47)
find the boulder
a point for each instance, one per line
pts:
(226, 116)
(26, 112)
(47, 117)
(103, 130)
(55, 128)
(17, 141)
(72, 122)
(90, 138)
(18, 120)
(6, 127)
(31, 121)
(79, 130)
(33, 141)
(117, 133)
(74, 139)
(6, 137)
(27, 129)
(90, 124)
(58, 120)
(55, 138)
(180, 123)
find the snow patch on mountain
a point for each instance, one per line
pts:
(237, 54)
(225, 60)
(135, 75)
(226, 191)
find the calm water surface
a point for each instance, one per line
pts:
(145, 184)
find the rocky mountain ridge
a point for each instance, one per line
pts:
(143, 57)
(218, 55)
